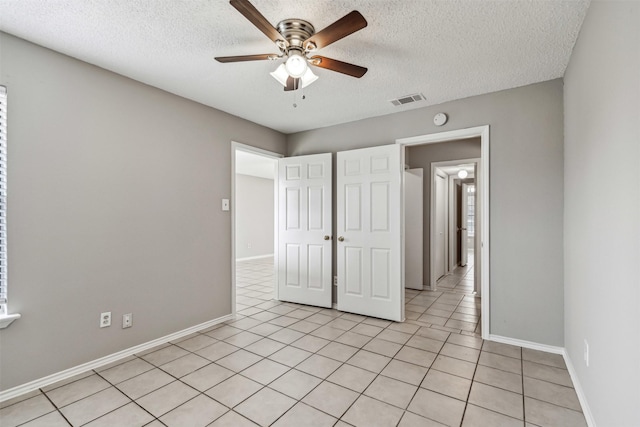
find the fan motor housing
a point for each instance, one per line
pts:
(295, 31)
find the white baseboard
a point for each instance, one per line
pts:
(572, 373)
(68, 373)
(591, 422)
(526, 344)
(249, 258)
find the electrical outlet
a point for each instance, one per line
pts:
(105, 319)
(127, 320)
(586, 353)
(248, 245)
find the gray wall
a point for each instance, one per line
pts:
(526, 194)
(114, 205)
(254, 216)
(602, 210)
(422, 156)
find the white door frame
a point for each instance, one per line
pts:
(450, 212)
(433, 214)
(235, 147)
(464, 229)
(453, 211)
(482, 185)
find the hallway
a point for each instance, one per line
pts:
(454, 305)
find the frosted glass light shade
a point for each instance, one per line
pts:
(308, 77)
(296, 64)
(281, 75)
(462, 174)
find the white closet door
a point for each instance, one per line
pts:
(369, 230)
(304, 230)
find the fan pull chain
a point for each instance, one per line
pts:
(295, 105)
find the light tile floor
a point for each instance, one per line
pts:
(454, 304)
(285, 364)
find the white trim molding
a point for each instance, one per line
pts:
(68, 373)
(526, 344)
(582, 398)
(235, 147)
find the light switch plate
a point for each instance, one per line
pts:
(225, 204)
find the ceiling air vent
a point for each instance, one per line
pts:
(407, 99)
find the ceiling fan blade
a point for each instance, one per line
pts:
(292, 83)
(243, 58)
(339, 66)
(252, 14)
(344, 26)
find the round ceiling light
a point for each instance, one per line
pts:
(462, 174)
(296, 64)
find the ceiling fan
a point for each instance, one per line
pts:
(296, 40)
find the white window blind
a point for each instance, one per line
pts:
(3, 200)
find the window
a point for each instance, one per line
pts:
(3, 201)
(471, 210)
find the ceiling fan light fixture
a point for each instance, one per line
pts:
(296, 39)
(281, 75)
(308, 77)
(296, 64)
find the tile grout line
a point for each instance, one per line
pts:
(423, 378)
(466, 403)
(55, 406)
(132, 400)
(524, 417)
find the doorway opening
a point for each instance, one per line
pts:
(453, 286)
(453, 222)
(253, 222)
(368, 243)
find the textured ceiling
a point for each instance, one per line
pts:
(444, 49)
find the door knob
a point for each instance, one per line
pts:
(340, 239)
(327, 237)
